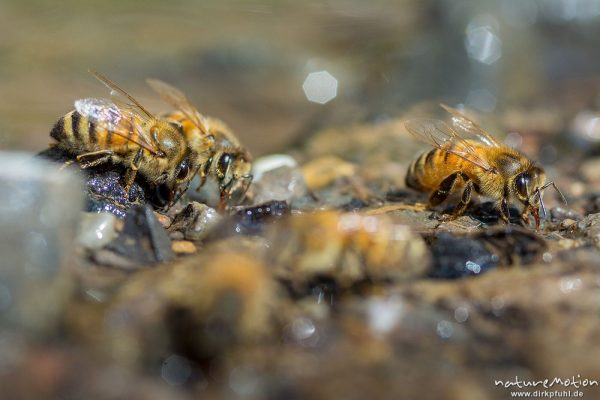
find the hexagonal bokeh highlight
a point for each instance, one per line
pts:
(320, 87)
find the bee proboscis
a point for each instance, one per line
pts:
(98, 131)
(481, 164)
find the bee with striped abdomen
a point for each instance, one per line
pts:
(98, 131)
(482, 165)
(222, 156)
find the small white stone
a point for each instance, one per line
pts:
(96, 230)
(271, 162)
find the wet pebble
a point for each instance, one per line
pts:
(143, 239)
(194, 222)
(251, 220)
(183, 247)
(589, 227)
(457, 257)
(563, 214)
(163, 219)
(266, 164)
(321, 172)
(104, 187)
(283, 184)
(97, 229)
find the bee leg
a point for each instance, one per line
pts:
(132, 170)
(203, 176)
(464, 201)
(525, 217)
(89, 160)
(446, 187)
(504, 213)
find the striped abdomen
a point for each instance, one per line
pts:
(431, 168)
(77, 133)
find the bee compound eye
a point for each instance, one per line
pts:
(522, 183)
(224, 163)
(184, 170)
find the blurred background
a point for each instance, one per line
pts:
(275, 70)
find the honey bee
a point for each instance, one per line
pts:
(223, 156)
(98, 131)
(346, 247)
(202, 306)
(483, 165)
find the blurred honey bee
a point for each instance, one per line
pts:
(482, 165)
(98, 131)
(223, 157)
(346, 247)
(201, 307)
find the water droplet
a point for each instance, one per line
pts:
(303, 328)
(445, 329)
(473, 267)
(461, 314)
(568, 285)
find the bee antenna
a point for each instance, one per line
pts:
(562, 197)
(539, 194)
(551, 183)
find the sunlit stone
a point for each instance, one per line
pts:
(320, 87)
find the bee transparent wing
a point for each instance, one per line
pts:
(121, 122)
(100, 111)
(177, 99)
(115, 90)
(465, 125)
(438, 134)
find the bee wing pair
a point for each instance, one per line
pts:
(124, 120)
(120, 119)
(178, 100)
(449, 139)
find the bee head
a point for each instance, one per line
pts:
(529, 185)
(233, 174)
